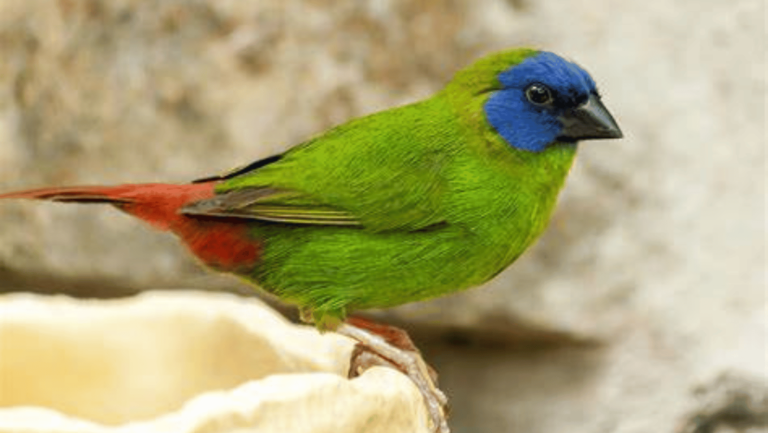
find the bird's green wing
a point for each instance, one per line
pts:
(271, 204)
(267, 203)
(380, 172)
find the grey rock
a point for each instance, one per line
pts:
(729, 402)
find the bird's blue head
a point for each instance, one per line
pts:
(547, 99)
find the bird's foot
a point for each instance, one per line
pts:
(381, 345)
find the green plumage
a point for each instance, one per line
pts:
(399, 206)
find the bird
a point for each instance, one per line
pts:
(402, 205)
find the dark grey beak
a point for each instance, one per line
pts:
(590, 120)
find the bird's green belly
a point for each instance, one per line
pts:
(340, 269)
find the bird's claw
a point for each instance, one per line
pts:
(373, 350)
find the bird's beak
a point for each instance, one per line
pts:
(590, 120)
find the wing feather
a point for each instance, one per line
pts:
(270, 204)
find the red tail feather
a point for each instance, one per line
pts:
(155, 203)
(73, 194)
(221, 244)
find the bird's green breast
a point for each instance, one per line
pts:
(504, 198)
(503, 195)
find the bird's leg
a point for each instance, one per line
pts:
(393, 335)
(391, 347)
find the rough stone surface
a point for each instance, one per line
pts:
(657, 251)
(185, 362)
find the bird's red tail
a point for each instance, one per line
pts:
(157, 204)
(223, 244)
(83, 194)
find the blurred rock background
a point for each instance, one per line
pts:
(647, 292)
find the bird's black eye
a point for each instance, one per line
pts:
(538, 94)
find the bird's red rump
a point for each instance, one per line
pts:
(158, 204)
(221, 244)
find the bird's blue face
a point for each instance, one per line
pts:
(547, 99)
